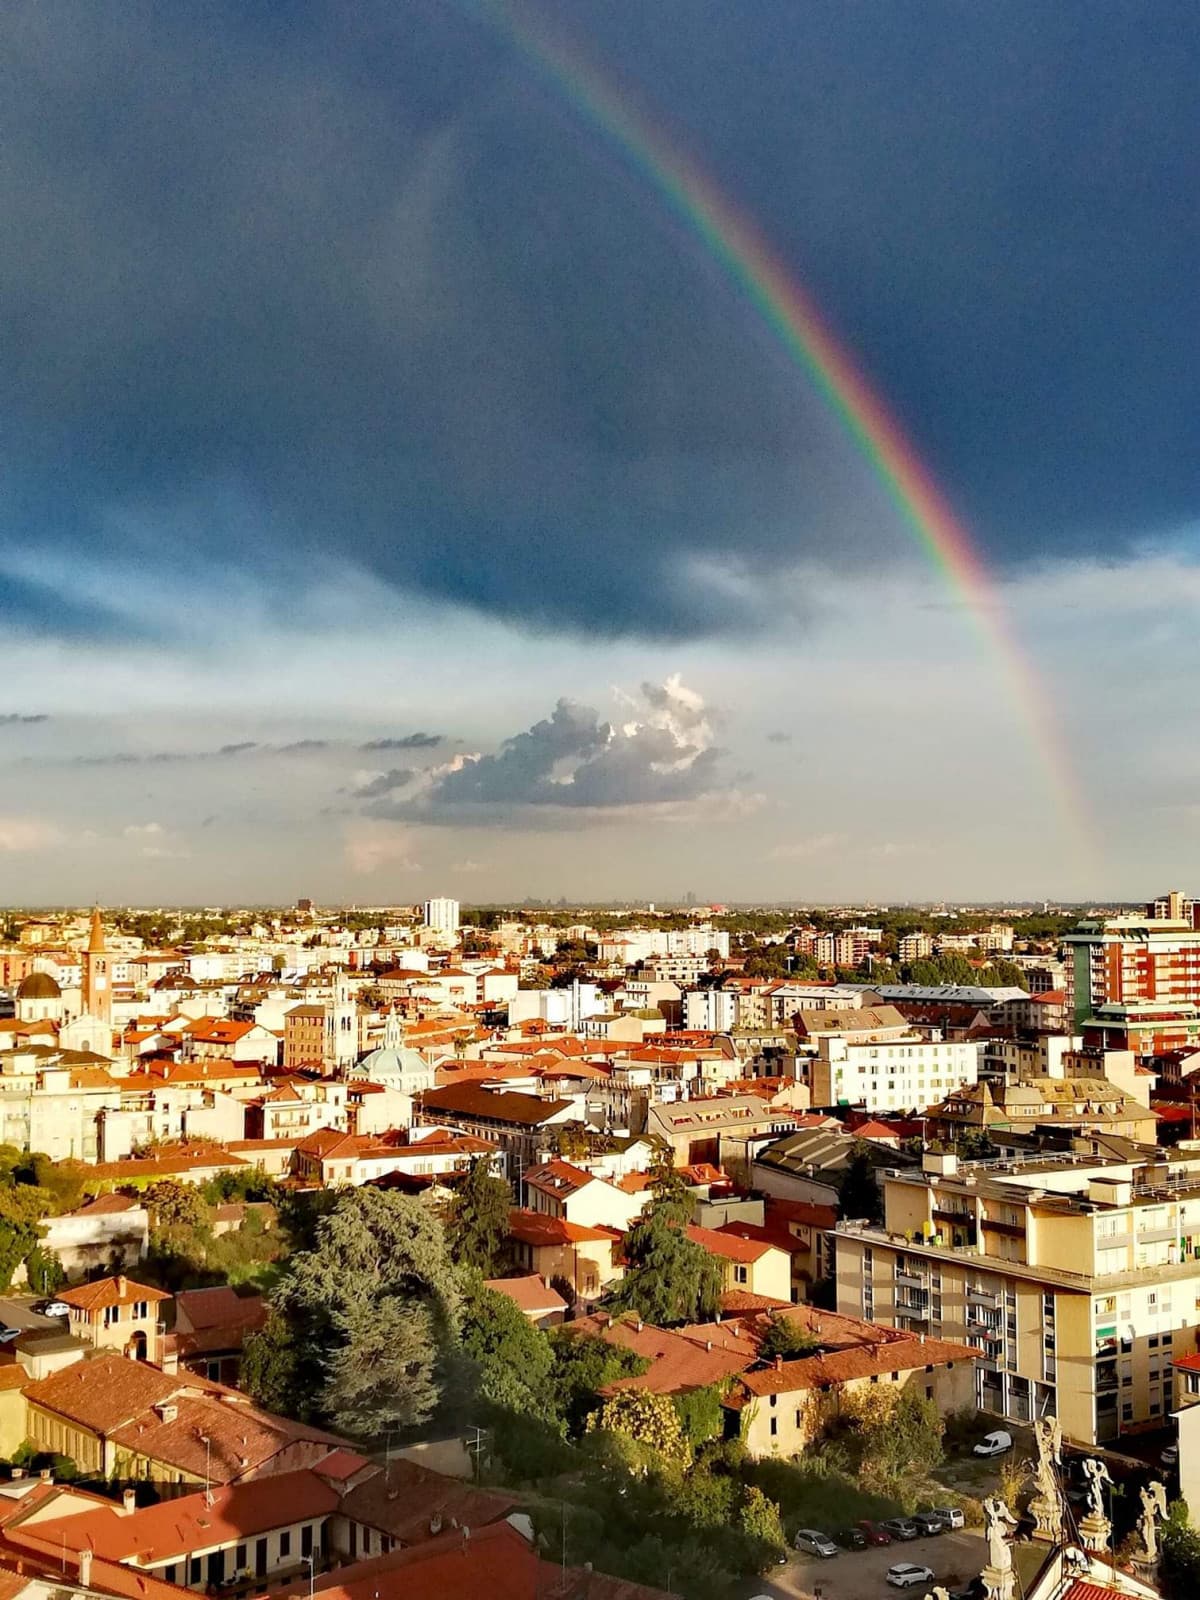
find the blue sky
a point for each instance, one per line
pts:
(354, 389)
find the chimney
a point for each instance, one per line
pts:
(778, 1363)
(18, 1472)
(129, 1502)
(45, 1475)
(85, 1568)
(921, 1336)
(640, 1324)
(708, 1344)
(122, 1284)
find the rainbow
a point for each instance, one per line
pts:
(761, 277)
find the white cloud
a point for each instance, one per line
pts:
(27, 835)
(371, 845)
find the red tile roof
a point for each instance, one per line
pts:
(676, 1364)
(536, 1229)
(842, 1366)
(728, 1245)
(191, 1522)
(104, 1292)
(531, 1294)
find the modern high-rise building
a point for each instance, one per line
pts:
(442, 915)
(1133, 982)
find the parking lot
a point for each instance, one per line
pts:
(16, 1311)
(956, 1558)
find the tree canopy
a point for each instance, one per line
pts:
(669, 1278)
(477, 1220)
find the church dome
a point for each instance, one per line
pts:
(38, 986)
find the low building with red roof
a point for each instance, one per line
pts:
(533, 1297)
(755, 1265)
(579, 1261)
(787, 1404)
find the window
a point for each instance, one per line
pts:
(774, 1426)
(741, 1274)
(169, 1574)
(141, 1310)
(285, 1543)
(239, 1559)
(194, 1570)
(306, 1539)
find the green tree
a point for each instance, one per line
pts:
(1180, 1555)
(859, 1192)
(787, 1339)
(270, 1366)
(477, 1219)
(21, 1208)
(647, 1418)
(669, 1278)
(44, 1271)
(900, 1437)
(62, 1182)
(373, 1310)
(759, 1520)
(175, 1205)
(512, 1359)
(583, 1365)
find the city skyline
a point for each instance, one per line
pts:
(515, 455)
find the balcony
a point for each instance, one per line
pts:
(1157, 1235)
(984, 1297)
(911, 1280)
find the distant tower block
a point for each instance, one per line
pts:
(97, 979)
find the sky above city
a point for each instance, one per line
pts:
(408, 491)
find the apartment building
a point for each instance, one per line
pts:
(1076, 1279)
(872, 1057)
(1133, 982)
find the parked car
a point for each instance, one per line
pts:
(931, 1523)
(904, 1574)
(851, 1538)
(875, 1533)
(813, 1543)
(901, 1528)
(1170, 1456)
(951, 1516)
(7, 1335)
(994, 1444)
(52, 1308)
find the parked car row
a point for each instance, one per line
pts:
(921, 1525)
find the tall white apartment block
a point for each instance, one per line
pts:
(442, 915)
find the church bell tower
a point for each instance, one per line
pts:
(97, 985)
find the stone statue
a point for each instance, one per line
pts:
(998, 1517)
(1046, 1504)
(1154, 1506)
(1097, 1476)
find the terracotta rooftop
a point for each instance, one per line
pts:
(677, 1365)
(118, 1291)
(178, 1526)
(536, 1229)
(842, 1366)
(531, 1294)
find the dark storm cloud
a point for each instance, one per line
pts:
(356, 286)
(244, 747)
(385, 783)
(9, 719)
(301, 746)
(410, 741)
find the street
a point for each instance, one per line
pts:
(956, 1558)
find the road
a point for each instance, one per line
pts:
(16, 1311)
(861, 1574)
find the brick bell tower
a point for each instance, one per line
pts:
(97, 985)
